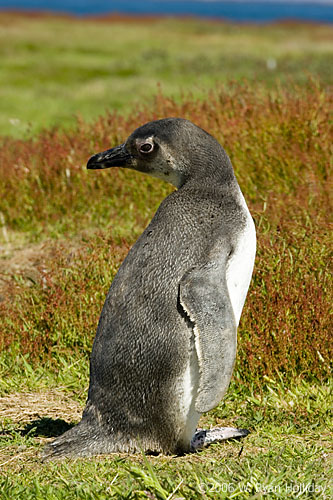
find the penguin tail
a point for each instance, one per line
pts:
(81, 441)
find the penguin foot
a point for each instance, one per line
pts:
(203, 437)
(82, 440)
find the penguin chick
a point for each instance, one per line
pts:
(165, 345)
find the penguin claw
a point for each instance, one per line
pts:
(203, 437)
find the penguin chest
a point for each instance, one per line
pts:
(240, 266)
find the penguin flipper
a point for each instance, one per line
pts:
(204, 296)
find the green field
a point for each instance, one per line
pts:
(53, 69)
(64, 231)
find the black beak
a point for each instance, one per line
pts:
(115, 157)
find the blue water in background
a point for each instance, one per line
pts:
(234, 11)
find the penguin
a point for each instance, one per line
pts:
(166, 340)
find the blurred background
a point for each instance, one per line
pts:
(237, 10)
(63, 58)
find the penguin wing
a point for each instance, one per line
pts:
(204, 296)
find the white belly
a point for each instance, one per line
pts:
(240, 265)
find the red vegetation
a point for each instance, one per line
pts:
(281, 148)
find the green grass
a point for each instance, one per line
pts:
(288, 451)
(53, 68)
(64, 232)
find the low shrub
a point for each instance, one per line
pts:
(281, 146)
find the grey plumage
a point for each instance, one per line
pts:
(166, 339)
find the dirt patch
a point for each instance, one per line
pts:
(26, 262)
(22, 263)
(40, 415)
(25, 407)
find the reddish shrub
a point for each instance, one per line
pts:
(280, 144)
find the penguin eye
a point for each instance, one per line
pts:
(146, 147)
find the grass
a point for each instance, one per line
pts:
(64, 232)
(54, 68)
(282, 457)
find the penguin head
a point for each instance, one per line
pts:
(172, 149)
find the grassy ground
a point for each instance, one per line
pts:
(287, 454)
(52, 69)
(64, 232)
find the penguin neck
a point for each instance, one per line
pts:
(207, 173)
